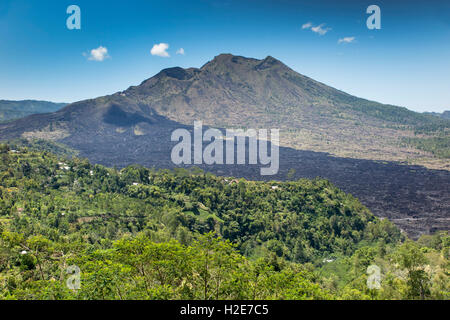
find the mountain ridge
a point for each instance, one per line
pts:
(173, 88)
(15, 109)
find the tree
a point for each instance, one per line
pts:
(214, 262)
(410, 257)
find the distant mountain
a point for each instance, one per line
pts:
(445, 114)
(134, 126)
(10, 110)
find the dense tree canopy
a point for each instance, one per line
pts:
(139, 233)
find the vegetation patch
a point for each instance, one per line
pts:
(139, 233)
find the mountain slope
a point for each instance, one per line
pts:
(444, 115)
(10, 110)
(233, 91)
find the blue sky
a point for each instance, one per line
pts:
(405, 63)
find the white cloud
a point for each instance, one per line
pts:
(99, 54)
(160, 50)
(180, 51)
(320, 30)
(307, 25)
(346, 40)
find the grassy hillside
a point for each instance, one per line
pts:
(144, 234)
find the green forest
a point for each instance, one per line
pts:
(140, 233)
